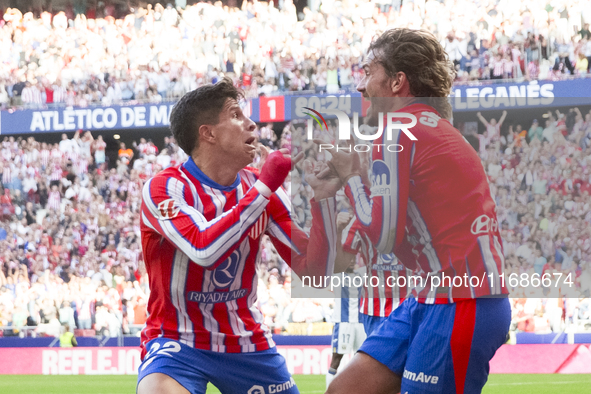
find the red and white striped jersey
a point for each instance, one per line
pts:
(45, 157)
(6, 154)
(73, 155)
(54, 200)
(56, 154)
(151, 149)
(43, 250)
(31, 95)
(201, 241)
(100, 145)
(7, 174)
(498, 68)
(82, 165)
(134, 188)
(59, 94)
(56, 173)
(431, 206)
(383, 291)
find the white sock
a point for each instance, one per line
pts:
(330, 376)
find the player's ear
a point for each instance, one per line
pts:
(399, 84)
(206, 134)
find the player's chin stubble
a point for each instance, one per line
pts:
(373, 116)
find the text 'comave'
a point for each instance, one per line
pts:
(420, 377)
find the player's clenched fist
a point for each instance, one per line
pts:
(343, 219)
(325, 187)
(275, 169)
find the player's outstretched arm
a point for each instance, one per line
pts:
(165, 210)
(310, 255)
(350, 243)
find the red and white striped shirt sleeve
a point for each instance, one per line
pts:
(167, 210)
(383, 215)
(351, 239)
(312, 255)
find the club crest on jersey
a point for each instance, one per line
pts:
(225, 273)
(380, 179)
(259, 227)
(169, 209)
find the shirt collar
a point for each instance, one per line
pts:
(196, 172)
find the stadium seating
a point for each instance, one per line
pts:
(158, 54)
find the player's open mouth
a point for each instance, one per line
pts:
(250, 142)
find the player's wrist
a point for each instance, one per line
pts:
(275, 170)
(348, 177)
(263, 189)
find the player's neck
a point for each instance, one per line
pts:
(401, 102)
(219, 172)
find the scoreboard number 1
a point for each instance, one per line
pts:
(272, 109)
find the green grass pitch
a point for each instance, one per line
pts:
(308, 384)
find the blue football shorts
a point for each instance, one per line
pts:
(442, 348)
(263, 372)
(370, 323)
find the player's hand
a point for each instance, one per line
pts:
(323, 188)
(276, 168)
(343, 219)
(325, 170)
(295, 160)
(365, 162)
(264, 152)
(345, 163)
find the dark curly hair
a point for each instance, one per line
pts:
(421, 57)
(201, 106)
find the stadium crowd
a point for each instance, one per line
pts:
(70, 251)
(81, 56)
(69, 236)
(540, 175)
